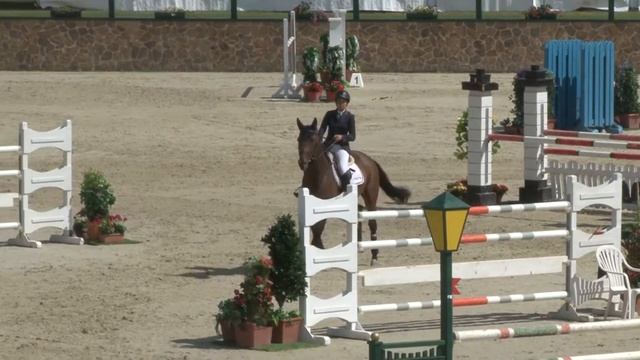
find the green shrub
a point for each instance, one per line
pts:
(96, 195)
(626, 91)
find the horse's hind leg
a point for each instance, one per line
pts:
(317, 230)
(373, 228)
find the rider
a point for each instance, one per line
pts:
(342, 129)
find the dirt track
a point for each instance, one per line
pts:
(201, 173)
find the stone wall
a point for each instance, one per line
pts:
(256, 46)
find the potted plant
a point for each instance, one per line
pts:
(458, 188)
(462, 138)
(332, 89)
(112, 229)
(542, 12)
(517, 99)
(352, 51)
(500, 190)
(630, 235)
(422, 12)
(256, 297)
(170, 13)
(96, 197)
(230, 314)
(626, 105)
(311, 87)
(325, 74)
(65, 12)
(288, 276)
(80, 224)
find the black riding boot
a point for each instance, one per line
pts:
(345, 179)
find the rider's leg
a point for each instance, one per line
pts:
(342, 159)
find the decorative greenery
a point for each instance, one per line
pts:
(626, 90)
(170, 13)
(335, 62)
(499, 189)
(458, 188)
(517, 97)
(256, 299)
(313, 86)
(542, 12)
(288, 274)
(113, 224)
(353, 49)
(335, 86)
(282, 315)
(310, 63)
(303, 10)
(324, 40)
(422, 12)
(631, 244)
(80, 223)
(96, 195)
(231, 310)
(462, 138)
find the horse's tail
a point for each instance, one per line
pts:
(399, 194)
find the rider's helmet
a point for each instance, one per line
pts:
(344, 95)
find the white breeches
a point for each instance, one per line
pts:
(341, 157)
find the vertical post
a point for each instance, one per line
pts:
(446, 303)
(535, 105)
(478, 9)
(112, 9)
(479, 191)
(611, 10)
(234, 9)
(356, 10)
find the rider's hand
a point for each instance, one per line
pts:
(338, 137)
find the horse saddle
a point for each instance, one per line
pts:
(357, 178)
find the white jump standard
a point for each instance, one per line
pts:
(31, 181)
(346, 306)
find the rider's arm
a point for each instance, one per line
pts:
(323, 125)
(351, 135)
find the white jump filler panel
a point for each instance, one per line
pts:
(31, 181)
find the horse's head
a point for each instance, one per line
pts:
(309, 143)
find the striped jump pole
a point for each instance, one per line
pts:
(631, 355)
(566, 141)
(465, 301)
(546, 330)
(590, 135)
(474, 210)
(466, 239)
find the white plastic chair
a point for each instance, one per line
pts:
(613, 262)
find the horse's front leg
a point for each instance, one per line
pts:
(373, 228)
(317, 230)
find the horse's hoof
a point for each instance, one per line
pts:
(373, 261)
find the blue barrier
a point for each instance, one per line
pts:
(584, 75)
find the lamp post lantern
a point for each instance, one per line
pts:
(446, 216)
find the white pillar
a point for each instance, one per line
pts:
(535, 105)
(480, 108)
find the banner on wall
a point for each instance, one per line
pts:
(328, 5)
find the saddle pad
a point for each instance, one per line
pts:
(357, 178)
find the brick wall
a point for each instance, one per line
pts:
(386, 46)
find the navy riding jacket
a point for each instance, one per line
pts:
(339, 125)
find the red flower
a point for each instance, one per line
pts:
(259, 280)
(266, 262)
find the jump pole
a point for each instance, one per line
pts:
(546, 330)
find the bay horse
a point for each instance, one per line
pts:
(318, 178)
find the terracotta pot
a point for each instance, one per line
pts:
(514, 130)
(325, 77)
(93, 230)
(551, 123)
(312, 96)
(111, 238)
(228, 331)
(629, 121)
(287, 331)
(250, 335)
(331, 96)
(347, 75)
